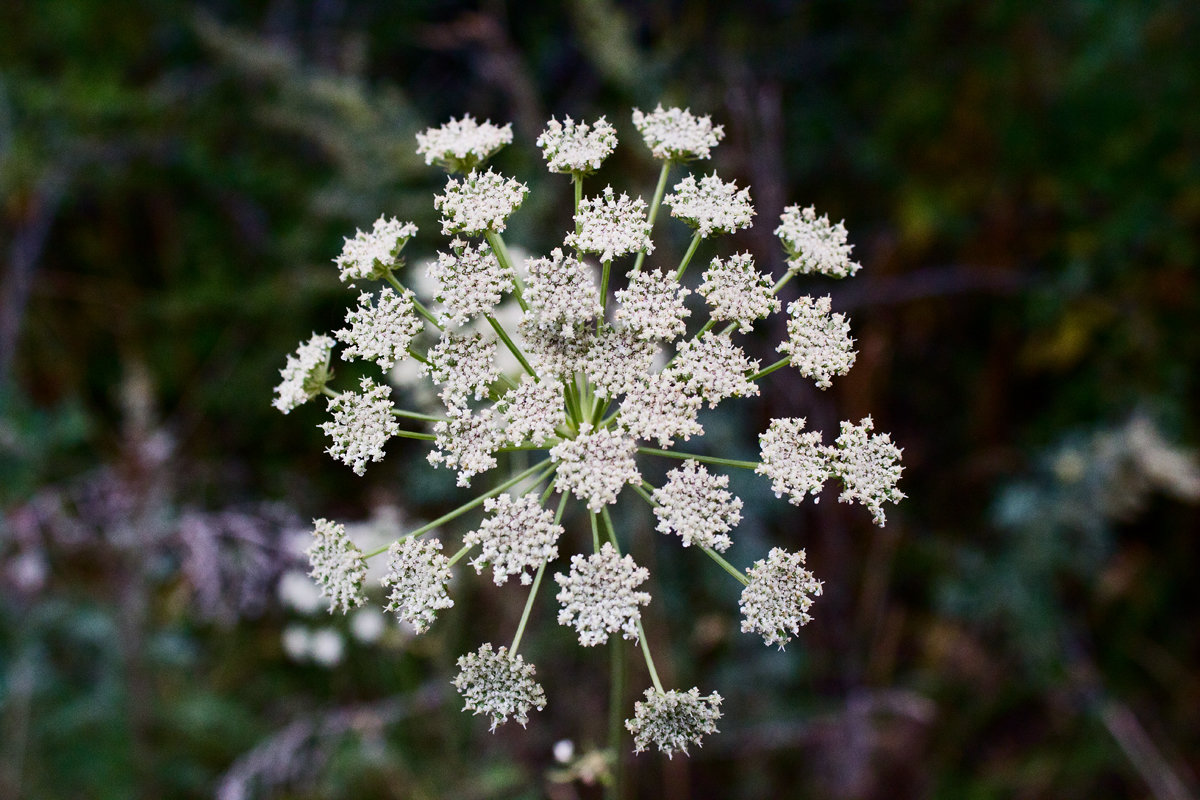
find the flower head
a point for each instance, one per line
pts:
(470, 281)
(466, 442)
(576, 147)
(595, 466)
(659, 407)
(553, 354)
(304, 374)
(611, 226)
(776, 601)
(416, 580)
(381, 332)
(599, 596)
(814, 245)
(480, 202)
(819, 341)
(618, 361)
(711, 205)
(498, 684)
(462, 144)
(736, 292)
(672, 720)
(698, 506)
(371, 256)
(560, 293)
(794, 459)
(675, 134)
(713, 368)
(868, 465)
(652, 305)
(464, 365)
(337, 565)
(532, 411)
(520, 535)
(361, 425)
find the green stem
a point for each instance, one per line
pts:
(537, 581)
(578, 181)
(465, 507)
(725, 565)
(609, 530)
(594, 517)
(417, 304)
(783, 362)
(779, 284)
(605, 267)
(418, 356)
(454, 559)
(649, 660)
(725, 462)
(497, 242)
(428, 437)
(687, 257)
(510, 344)
(654, 204)
(399, 412)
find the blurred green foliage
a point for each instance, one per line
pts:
(1022, 182)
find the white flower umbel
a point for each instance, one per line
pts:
(711, 205)
(552, 354)
(819, 341)
(480, 202)
(659, 408)
(560, 293)
(337, 565)
(713, 368)
(618, 361)
(361, 425)
(611, 226)
(814, 245)
(794, 459)
(470, 281)
(467, 442)
(462, 144)
(672, 720)
(381, 331)
(600, 596)
(776, 601)
(576, 147)
(868, 466)
(595, 466)
(416, 580)
(675, 134)
(464, 365)
(652, 305)
(698, 506)
(532, 411)
(304, 374)
(371, 256)
(519, 536)
(737, 292)
(498, 684)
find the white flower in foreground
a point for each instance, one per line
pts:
(698, 506)
(618, 361)
(868, 466)
(416, 581)
(466, 442)
(658, 407)
(819, 341)
(794, 459)
(577, 147)
(478, 203)
(361, 425)
(470, 281)
(498, 684)
(675, 134)
(532, 411)
(711, 205)
(371, 256)
(381, 332)
(652, 305)
(775, 603)
(611, 226)
(595, 466)
(737, 292)
(304, 374)
(599, 596)
(463, 364)
(814, 245)
(462, 144)
(560, 293)
(713, 368)
(672, 720)
(337, 565)
(552, 354)
(520, 535)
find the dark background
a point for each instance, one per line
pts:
(1022, 184)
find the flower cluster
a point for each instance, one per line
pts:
(606, 366)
